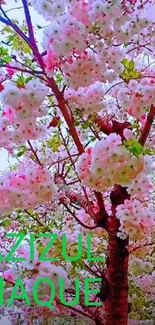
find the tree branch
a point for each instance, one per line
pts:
(147, 126)
(35, 154)
(103, 215)
(62, 105)
(29, 22)
(32, 72)
(109, 127)
(78, 220)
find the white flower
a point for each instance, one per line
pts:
(122, 235)
(147, 267)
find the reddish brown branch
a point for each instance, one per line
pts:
(103, 215)
(109, 127)
(147, 126)
(69, 121)
(104, 125)
(33, 72)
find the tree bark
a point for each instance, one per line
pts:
(114, 291)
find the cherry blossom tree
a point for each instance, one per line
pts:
(77, 114)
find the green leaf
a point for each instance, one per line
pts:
(20, 81)
(59, 77)
(5, 223)
(4, 57)
(28, 79)
(85, 126)
(135, 74)
(20, 153)
(7, 59)
(17, 43)
(77, 123)
(22, 150)
(129, 70)
(54, 143)
(125, 62)
(131, 65)
(3, 51)
(134, 146)
(24, 231)
(93, 139)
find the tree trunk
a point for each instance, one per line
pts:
(115, 278)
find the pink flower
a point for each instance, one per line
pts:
(143, 119)
(10, 71)
(128, 134)
(8, 276)
(52, 61)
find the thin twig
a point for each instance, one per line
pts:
(35, 154)
(77, 219)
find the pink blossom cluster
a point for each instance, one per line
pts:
(52, 272)
(137, 96)
(88, 100)
(37, 270)
(136, 220)
(146, 282)
(51, 9)
(65, 35)
(108, 163)
(83, 54)
(111, 17)
(42, 269)
(72, 31)
(52, 61)
(25, 188)
(83, 70)
(21, 107)
(85, 217)
(141, 186)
